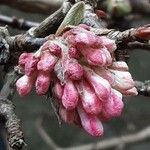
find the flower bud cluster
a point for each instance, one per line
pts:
(88, 83)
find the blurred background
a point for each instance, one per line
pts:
(35, 111)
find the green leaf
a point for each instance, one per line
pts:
(73, 17)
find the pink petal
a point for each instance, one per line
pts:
(90, 101)
(70, 96)
(122, 80)
(120, 66)
(58, 90)
(131, 92)
(24, 57)
(42, 83)
(47, 62)
(67, 115)
(24, 85)
(114, 106)
(31, 65)
(90, 123)
(95, 57)
(101, 86)
(74, 70)
(108, 43)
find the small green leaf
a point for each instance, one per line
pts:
(73, 17)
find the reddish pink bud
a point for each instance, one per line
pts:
(67, 115)
(114, 106)
(143, 32)
(55, 49)
(24, 57)
(95, 57)
(90, 101)
(70, 96)
(122, 80)
(42, 83)
(101, 14)
(120, 66)
(73, 52)
(74, 70)
(58, 90)
(51, 47)
(131, 92)
(101, 86)
(31, 65)
(24, 85)
(108, 43)
(90, 123)
(47, 62)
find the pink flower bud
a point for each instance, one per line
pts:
(70, 96)
(107, 55)
(87, 39)
(74, 70)
(67, 115)
(95, 57)
(106, 74)
(122, 80)
(58, 90)
(42, 82)
(131, 92)
(55, 49)
(90, 101)
(101, 86)
(47, 62)
(51, 47)
(114, 106)
(120, 66)
(90, 123)
(24, 57)
(108, 43)
(24, 85)
(73, 52)
(30, 65)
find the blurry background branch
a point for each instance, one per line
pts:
(17, 23)
(143, 87)
(105, 144)
(48, 6)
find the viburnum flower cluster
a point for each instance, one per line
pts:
(80, 69)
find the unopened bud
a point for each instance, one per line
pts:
(91, 103)
(47, 62)
(24, 85)
(31, 65)
(100, 85)
(74, 70)
(42, 82)
(90, 123)
(70, 96)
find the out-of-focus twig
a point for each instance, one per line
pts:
(34, 6)
(139, 45)
(17, 22)
(113, 142)
(143, 88)
(47, 139)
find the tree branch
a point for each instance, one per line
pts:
(11, 121)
